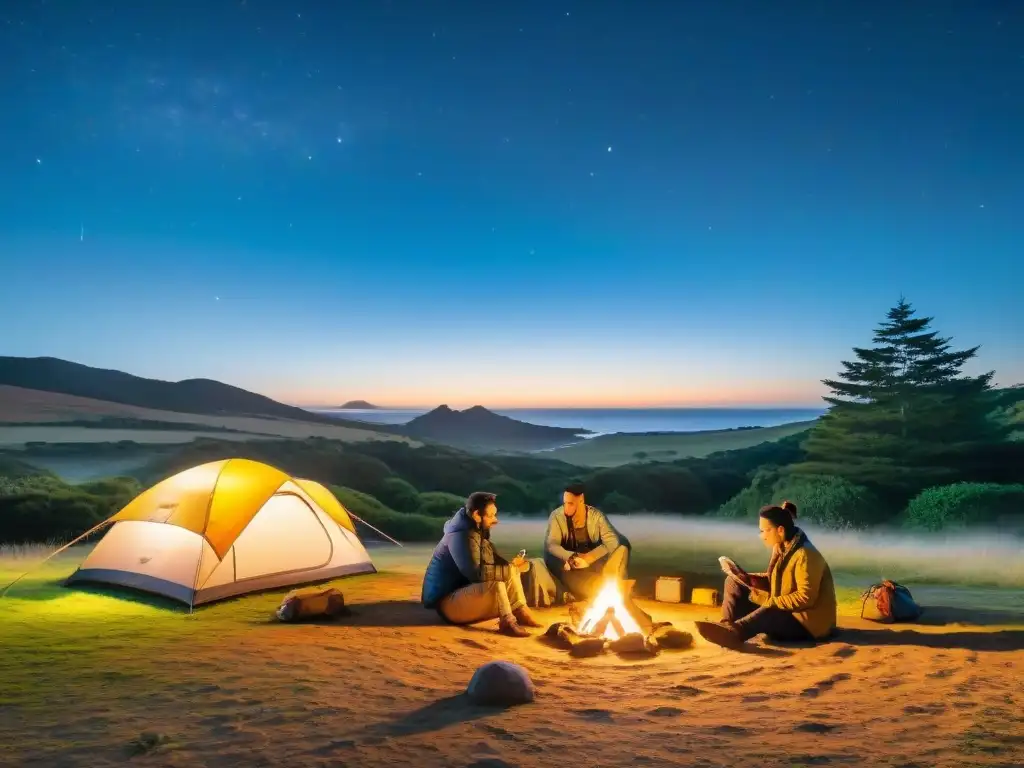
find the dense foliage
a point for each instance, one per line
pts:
(908, 438)
(962, 504)
(903, 416)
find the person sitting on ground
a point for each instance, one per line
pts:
(581, 548)
(795, 600)
(467, 581)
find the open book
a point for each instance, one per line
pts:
(730, 568)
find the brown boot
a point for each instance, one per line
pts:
(509, 626)
(725, 635)
(525, 618)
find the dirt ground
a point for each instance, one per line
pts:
(95, 680)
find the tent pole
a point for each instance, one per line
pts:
(370, 526)
(53, 555)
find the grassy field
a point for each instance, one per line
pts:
(614, 450)
(22, 407)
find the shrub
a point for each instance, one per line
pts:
(616, 503)
(747, 502)
(400, 526)
(439, 504)
(829, 501)
(514, 496)
(962, 504)
(398, 494)
(117, 490)
(63, 514)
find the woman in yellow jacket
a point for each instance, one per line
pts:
(794, 600)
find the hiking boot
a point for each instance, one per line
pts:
(524, 618)
(725, 635)
(510, 627)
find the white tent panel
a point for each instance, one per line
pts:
(286, 535)
(154, 557)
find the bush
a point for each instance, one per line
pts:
(398, 525)
(117, 490)
(616, 503)
(747, 502)
(826, 500)
(396, 493)
(514, 496)
(61, 515)
(962, 504)
(439, 504)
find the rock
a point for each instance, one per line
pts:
(591, 646)
(500, 683)
(666, 637)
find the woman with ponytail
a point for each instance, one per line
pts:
(794, 600)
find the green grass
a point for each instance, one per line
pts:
(618, 449)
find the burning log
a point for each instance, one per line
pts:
(613, 620)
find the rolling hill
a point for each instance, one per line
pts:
(40, 394)
(199, 396)
(479, 429)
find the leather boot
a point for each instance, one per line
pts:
(525, 618)
(510, 627)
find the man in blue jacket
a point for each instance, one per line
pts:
(468, 581)
(581, 548)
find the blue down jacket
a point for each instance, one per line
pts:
(464, 556)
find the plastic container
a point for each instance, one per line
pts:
(705, 596)
(669, 589)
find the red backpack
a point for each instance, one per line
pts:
(889, 602)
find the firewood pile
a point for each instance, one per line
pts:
(596, 641)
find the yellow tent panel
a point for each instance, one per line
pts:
(328, 502)
(215, 500)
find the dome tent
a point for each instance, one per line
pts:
(224, 529)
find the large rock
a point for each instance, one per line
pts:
(500, 683)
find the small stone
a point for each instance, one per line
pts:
(500, 683)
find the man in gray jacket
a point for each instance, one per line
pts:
(468, 581)
(581, 548)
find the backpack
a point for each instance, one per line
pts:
(889, 602)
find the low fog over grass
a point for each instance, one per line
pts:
(975, 558)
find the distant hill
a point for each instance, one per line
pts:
(200, 396)
(479, 429)
(360, 405)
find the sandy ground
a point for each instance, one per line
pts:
(228, 686)
(30, 405)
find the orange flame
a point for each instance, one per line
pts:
(610, 596)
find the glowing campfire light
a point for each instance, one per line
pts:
(610, 597)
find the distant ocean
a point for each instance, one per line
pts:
(603, 421)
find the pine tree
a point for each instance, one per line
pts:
(902, 416)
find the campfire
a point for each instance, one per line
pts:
(612, 620)
(607, 616)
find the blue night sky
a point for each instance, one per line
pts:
(531, 203)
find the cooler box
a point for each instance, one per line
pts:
(669, 589)
(705, 596)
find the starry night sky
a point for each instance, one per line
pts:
(530, 203)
